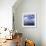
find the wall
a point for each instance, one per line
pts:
(6, 13)
(36, 33)
(43, 22)
(29, 33)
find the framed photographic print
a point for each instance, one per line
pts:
(29, 19)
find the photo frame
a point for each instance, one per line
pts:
(29, 19)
